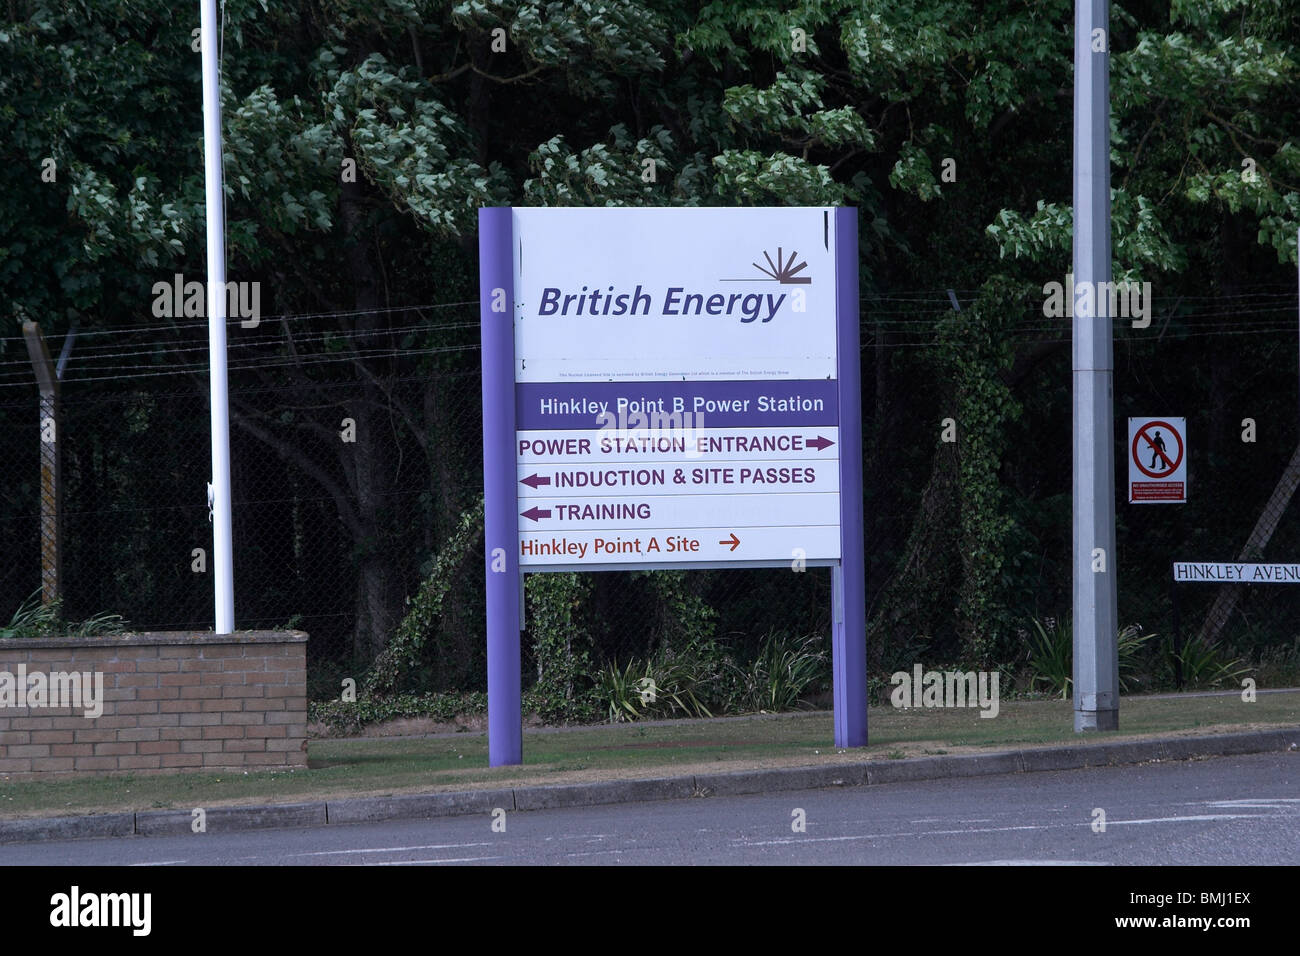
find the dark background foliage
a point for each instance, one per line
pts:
(370, 312)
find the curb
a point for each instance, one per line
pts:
(181, 822)
(422, 806)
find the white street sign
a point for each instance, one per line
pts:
(1191, 571)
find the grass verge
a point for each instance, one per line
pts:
(372, 766)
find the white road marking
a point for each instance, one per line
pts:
(462, 859)
(393, 849)
(158, 863)
(576, 836)
(1198, 818)
(1030, 863)
(947, 820)
(1258, 803)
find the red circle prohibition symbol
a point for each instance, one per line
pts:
(1173, 465)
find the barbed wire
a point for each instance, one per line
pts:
(940, 296)
(231, 320)
(93, 362)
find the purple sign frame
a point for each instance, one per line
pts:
(507, 407)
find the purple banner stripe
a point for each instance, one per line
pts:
(557, 405)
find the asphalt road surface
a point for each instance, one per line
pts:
(1227, 810)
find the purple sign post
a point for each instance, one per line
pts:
(500, 527)
(848, 579)
(656, 397)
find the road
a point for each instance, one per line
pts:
(1228, 810)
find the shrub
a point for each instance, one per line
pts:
(1051, 655)
(784, 669)
(348, 717)
(1206, 665)
(34, 619)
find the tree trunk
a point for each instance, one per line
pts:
(455, 667)
(367, 462)
(907, 609)
(1230, 594)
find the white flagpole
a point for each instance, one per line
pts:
(222, 544)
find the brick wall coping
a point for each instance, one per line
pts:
(153, 638)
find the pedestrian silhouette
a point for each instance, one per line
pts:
(1157, 447)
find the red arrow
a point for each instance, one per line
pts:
(733, 541)
(534, 513)
(532, 481)
(819, 443)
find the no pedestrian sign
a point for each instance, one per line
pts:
(1157, 460)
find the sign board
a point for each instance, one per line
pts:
(670, 388)
(1157, 460)
(676, 388)
(1187, 572)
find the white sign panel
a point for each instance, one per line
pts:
(1193, 571)
(676, 386)
(1157, 460)
(695, 294)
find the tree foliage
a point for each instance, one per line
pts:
(947, 123)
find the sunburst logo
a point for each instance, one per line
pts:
(783, 270)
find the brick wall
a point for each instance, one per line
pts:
(171, 701)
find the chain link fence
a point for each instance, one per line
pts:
(354, 453)
(356, 449)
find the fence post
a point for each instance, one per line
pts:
(50, 427)
(1178, 636)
